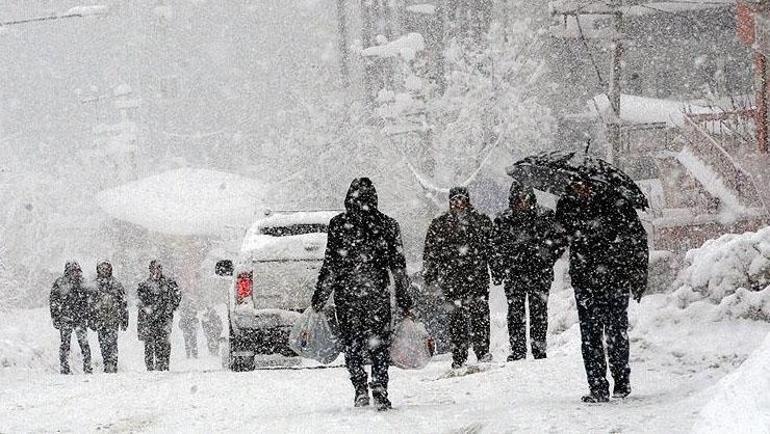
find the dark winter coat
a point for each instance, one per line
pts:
(70, 303)
(109, 308)
(608, 244)
(527, 243)
(157, 301)
(363, 245)
(458, 248)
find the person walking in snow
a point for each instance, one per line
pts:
(527, 243)
(608, 262)
(188, 323)
(362, 246)
(110, 313)
(158, 298)
(212, 328)
(70, 312)
(456, 258)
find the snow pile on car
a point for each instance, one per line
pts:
(728, 277)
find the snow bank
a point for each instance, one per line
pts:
(186, 202)
(741, 399)
(727, 278)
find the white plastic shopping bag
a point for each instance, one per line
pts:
(313, 337)
(412, 346)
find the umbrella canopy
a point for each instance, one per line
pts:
(554, 172)
(186, 202)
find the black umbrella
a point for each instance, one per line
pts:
(554, 172)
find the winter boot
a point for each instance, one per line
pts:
(621, 391)
(515, 358)
(380, 395)
(362, 396)
(486, 358)
(595, 398)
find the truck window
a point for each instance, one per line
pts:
(292, 230)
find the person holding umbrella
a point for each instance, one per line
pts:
(608, 256)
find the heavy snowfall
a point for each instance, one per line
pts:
(453, 216)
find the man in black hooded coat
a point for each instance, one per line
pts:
(70, 312)
(527, 243)
(363, 245)
(110, 312)
(608, 263)
(158, 298)
(456, 258)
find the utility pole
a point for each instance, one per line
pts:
(614, 135)
(614, 10)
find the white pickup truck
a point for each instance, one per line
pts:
(273, 280)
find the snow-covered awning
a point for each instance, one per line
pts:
(643, 110)
(187, 202)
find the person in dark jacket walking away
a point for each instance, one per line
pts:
(527, 243)
(456, 258)
(158, 298)
(110, 312)
(608, 262)
(363, 245)
(212, 328)
(70, 311)
(188, 323)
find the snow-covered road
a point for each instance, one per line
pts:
(674, 366)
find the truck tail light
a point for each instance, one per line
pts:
(243, 287)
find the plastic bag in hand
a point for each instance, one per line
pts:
(313, 337)
(412, 346)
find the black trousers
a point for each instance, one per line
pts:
(157, 351)
(534, 291)
(108, 344)
(604, 314)
(190, 342)
(65, 334)
(469, 325)
(366, 333)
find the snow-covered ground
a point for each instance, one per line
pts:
(676, 366)
(688, 349)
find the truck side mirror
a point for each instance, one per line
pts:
(224, 268)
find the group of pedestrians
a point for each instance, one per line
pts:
(463, 248)
(77, 306)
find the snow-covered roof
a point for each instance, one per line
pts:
(422, 8)
(638, 8)
(85, 11)
(406, 46)
(187, 202)
(643, 110)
